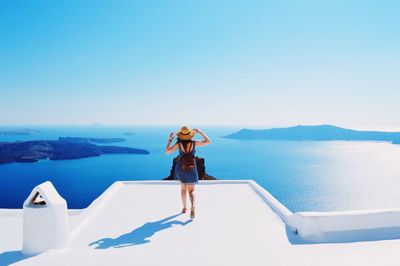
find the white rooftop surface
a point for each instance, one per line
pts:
(139, 223)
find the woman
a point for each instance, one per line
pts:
(185, 170)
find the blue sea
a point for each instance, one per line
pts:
(304, 176)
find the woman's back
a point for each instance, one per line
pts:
(187, 146)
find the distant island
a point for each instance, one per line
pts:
(129, 133)
(62, 149)
(91, 140)
(17, 132)
(315, 133)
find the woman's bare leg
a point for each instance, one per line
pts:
(183, 194)
(191, 194)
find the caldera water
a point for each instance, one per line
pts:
(304, 176)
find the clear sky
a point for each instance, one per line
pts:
(253, 63)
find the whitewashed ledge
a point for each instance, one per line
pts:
(340, 226)
(237, 223)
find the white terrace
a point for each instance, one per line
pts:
(237, 223)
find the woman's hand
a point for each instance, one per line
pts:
(197, 130)
(171, 136)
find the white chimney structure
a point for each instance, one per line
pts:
(45, 220)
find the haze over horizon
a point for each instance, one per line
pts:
(228, 63)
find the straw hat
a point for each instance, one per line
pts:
(185, 133)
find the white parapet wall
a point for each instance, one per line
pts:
(343, 226)
(348, 226)
(284, 213)
(89, 213)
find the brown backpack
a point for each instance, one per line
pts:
(187, 159)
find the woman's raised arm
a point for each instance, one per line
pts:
(169, 149)
(205, 141)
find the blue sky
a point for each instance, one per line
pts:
(253, 63)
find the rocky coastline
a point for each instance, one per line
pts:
(62, 149)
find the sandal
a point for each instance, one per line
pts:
(192, 213)
(184, 210)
